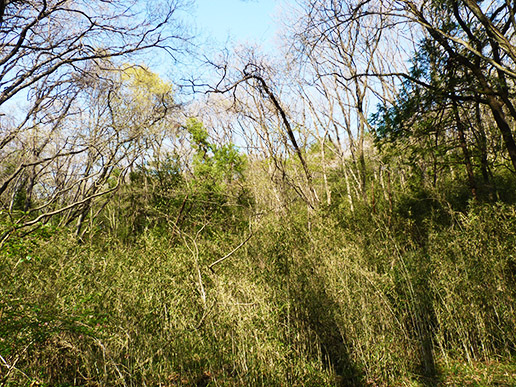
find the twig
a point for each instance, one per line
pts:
(13, 367)
(231, 253)
(179, 215)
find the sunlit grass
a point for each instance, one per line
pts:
(296, 305)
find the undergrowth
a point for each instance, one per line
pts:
(309, 300)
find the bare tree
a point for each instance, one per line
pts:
(477, 39)
(64, 57)
(253, 88)
(330, 53)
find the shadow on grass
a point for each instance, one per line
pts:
(315, 310)
(423, 330)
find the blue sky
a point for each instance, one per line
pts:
(222, 24)
(253, 21)
(240, 20)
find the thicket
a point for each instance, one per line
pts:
(142, 248)
(411, 291)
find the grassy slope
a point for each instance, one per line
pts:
(311, 300)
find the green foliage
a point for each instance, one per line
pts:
(150, 200)
(409, 286)
(308, 300)
(474, 291)
(215, 166)
(162, 196)
(439, 120)
(218, 175)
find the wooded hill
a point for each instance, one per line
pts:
(343, 213)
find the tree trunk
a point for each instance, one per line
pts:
(465, 151)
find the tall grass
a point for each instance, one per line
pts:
(310, 299)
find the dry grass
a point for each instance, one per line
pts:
(321, 305)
